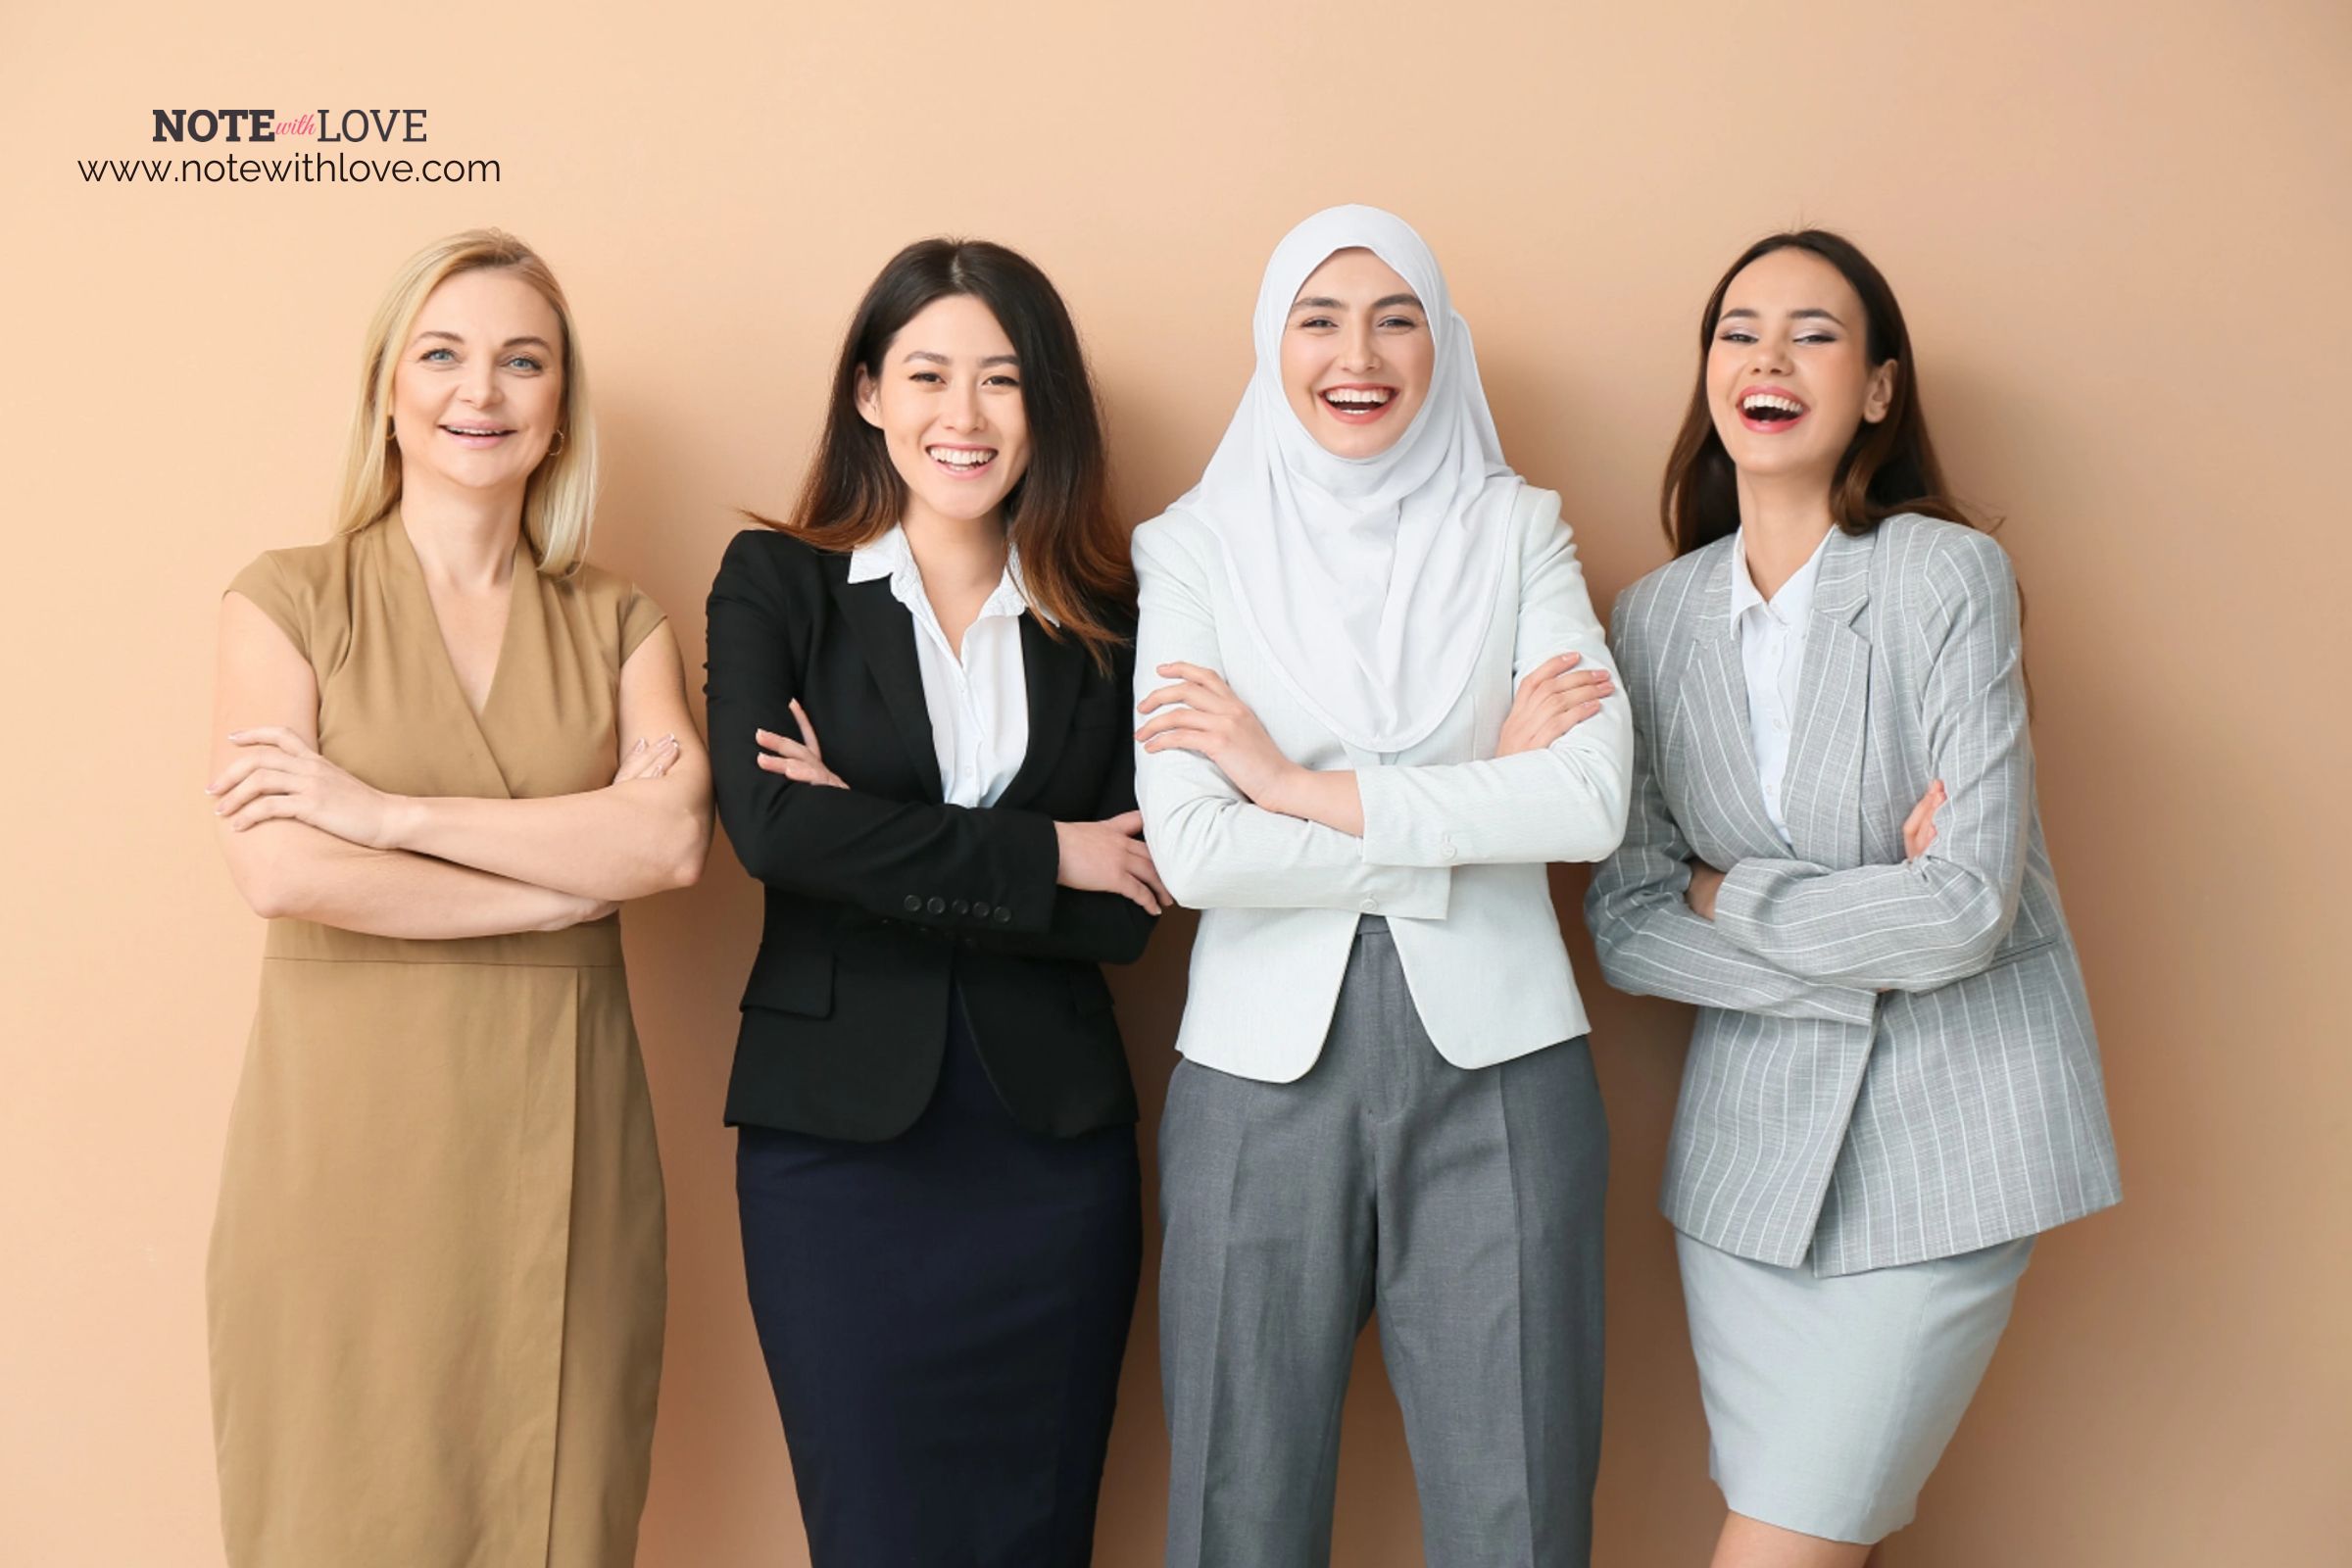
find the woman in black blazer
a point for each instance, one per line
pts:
(920, 739)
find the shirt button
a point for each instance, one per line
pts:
(962, 906)
(913, 903)
(1003, 916)
(1444, 849)
(980, 912)
(1371, 905)
(939, 905)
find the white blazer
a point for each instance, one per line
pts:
(1455, 839)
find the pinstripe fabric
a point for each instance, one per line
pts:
(1892, 1061)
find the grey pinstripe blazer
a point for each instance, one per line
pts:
(1892, 1061)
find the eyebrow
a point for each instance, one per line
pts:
(1321, 303)
(929, 358)
(1810, 314)
(512, 342)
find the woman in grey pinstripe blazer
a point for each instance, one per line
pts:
(1833, 851)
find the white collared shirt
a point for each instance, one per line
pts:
(1773, 633)
(979, 704)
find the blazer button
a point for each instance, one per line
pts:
(1002, 916)
(1371, 905)
(962, 906)
(980, 912)
(913, 903)
(938, 906)
(1446, 849)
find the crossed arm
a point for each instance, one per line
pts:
(1045, 887)
(1792, 939)
(1236, 822)
(1940, 914)
(305, 840)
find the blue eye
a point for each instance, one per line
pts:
(526, 363)
(431, 354)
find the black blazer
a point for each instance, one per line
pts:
(878, 894)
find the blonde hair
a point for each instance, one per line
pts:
(559, 502)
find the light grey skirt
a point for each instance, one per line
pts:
(1830, 1401)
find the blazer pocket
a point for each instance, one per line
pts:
(1107, 709)
(791, 980)
(2024, 949)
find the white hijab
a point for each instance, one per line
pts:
(1370, 581)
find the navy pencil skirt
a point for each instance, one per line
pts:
(943, 1316)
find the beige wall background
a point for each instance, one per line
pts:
(2122, 232)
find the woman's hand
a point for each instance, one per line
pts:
(1705, 883)
(1918, 828)
(1553, 699)
(276, 773)
(1110, 856)
(648, 759)
(1220, 726)
(802, 762)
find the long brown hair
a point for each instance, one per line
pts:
(1888, 468)
(1075, 561)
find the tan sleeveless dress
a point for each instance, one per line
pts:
(436, 1280)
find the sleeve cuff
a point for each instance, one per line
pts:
(1394, 833)
(1740, 904)
(1011, 882)
(1408, 891)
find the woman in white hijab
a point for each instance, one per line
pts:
(1377, 702)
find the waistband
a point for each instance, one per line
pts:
(593, 946)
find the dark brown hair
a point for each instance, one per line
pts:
(1888, 468)
(1075, 561)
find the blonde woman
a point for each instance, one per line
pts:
(445, 750)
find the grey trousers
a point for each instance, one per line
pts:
(1465, 1205)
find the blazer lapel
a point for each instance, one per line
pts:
(1721, 758)
(1823, 791)
(885, 637)
(1051, 669)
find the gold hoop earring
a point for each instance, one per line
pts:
(557, 445)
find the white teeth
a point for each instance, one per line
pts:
(959, 459)
(1756, 401)
(1368, 397)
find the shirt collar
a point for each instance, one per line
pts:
(1793, 606)
(888, 554)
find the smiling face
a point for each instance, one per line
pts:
(1356, 355)
(947, 402)
(478, 393)
(1789, 374)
